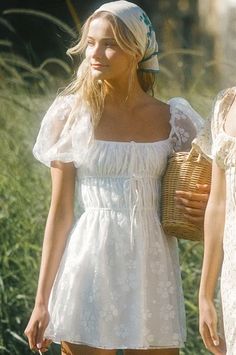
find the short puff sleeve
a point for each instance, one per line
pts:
(62, 136)
(224, 145)
(207, 140)
(185, 124)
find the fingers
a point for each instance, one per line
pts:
(222, 345)
(31, 333)
(34, 333)
(193, 204)
(203, 188)
(185, 202)
(45, 344)
(195, 213)
(213, 333)
(41, 343)
(211, 339)
(196, 209)
(207, 339)
(39, 338)
(198, 221)
(192, 196)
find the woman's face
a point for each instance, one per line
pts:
(107, 60)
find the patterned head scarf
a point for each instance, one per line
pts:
(140, 25)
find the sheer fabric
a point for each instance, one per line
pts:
(119, 282)
(224, 152)
(222, 147)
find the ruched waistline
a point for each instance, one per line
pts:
(119, 209)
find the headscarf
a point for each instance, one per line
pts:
(140, 26)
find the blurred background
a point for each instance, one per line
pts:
(197, 59)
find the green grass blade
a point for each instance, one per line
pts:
(6, 24)
(62, 25)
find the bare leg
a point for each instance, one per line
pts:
(74, 349)
(152, 352)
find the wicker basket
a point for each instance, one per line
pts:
(184, 171)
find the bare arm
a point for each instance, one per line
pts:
(59, 222)
(212, 261)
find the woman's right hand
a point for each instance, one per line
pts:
(36, 327)
(208, 327)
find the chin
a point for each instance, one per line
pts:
(98, 75)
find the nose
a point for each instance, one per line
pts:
(97, 51)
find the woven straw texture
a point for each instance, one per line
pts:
(184, 171)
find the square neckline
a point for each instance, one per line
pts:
(130, 142)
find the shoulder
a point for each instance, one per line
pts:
(157, 109)
(176, 108)
(60, 107)
(176, 103)
(64, 101)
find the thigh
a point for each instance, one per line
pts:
(76, 349)
(152, 352)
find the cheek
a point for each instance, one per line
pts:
(125, 63)
(88, 52)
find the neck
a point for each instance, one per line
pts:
(121, 94)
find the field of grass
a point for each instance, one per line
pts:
(25, 93)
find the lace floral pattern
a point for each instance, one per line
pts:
(119, 283)
(225, 156)
(222, 147)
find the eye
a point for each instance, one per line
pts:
(110, 44)
(90, 43)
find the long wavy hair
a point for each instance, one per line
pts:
(93, 91)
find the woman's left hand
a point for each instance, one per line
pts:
(193, 204)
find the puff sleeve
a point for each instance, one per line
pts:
(185, 124)
(224, 145)
(62, 137)
(206, 141)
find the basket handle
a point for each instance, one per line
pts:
(191, 153)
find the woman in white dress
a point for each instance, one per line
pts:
(112, 281)
(220, 230)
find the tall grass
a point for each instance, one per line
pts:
(25, 93)
(24, 195)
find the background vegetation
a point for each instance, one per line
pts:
(26, 91)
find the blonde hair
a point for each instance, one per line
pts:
(91, 91)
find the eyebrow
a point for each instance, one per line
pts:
(104, 38)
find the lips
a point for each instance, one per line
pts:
(97, 66)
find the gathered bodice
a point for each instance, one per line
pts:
(123, 175)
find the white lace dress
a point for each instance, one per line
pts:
(119, 283)
(224, 151)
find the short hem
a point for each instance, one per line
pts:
(110, 347)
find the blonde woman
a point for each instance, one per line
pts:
(112, 281)
(220, 231)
